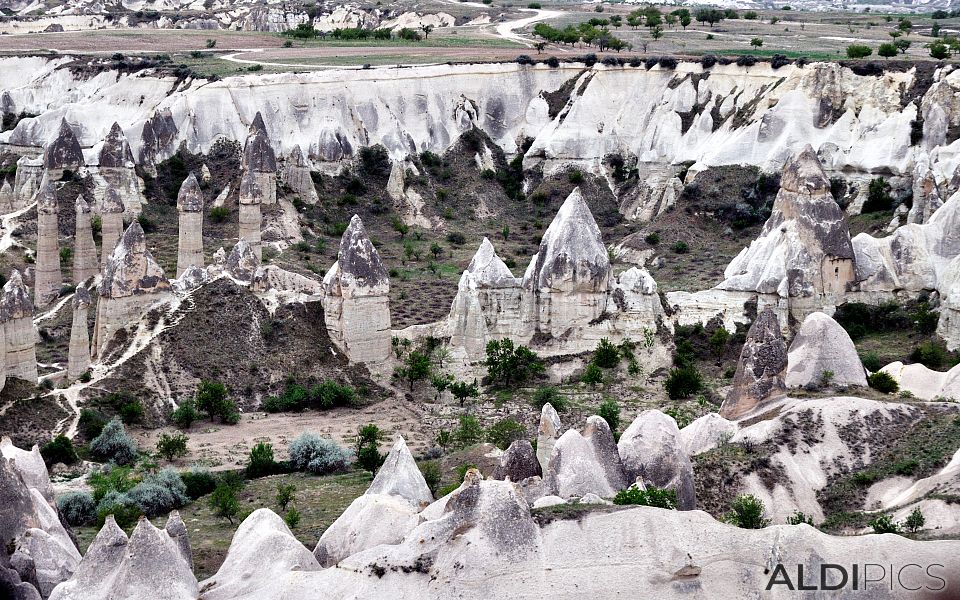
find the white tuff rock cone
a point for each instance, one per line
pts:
(78, 357)
(47, 279)
(111, 223)
(259, 159)
(63, 153)
(7, 197)
(582, 464)
(400, 476)
(547, 435)
(148, 566)
(177, 530)
(16, 316)
(651, 448)
(804, 253)
(117, 167)
(30, 173)
(565, 286)
(86, 263)
(251, 197)
(822, 346)
(296, 175)
(190, 207)
(357, 301)
(487, 304)
(132, 281)
(760, 370)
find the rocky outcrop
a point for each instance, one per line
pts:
(47, 278)
(7, 197)
(190, 208)
(823, 347)
(86, 263)
(518, 462)
(132, 282)
(487, 304)
(357, 301)
(925, 383)
(117, 169)
(27, 181)
(761, 367)
(63, 153)
(651, 448)
(296, 176)
(400, 476)
(705, 433)
(587, 463)
(804, 253)
(242, 263)
(566, 285)
(78, 356)
(263, 552)
(147, 565)
(948, 326)
(926, 197)
(16, 316)
(547, 434)
(251, 197)
(111, 223)
(176, 529)
(260, 160)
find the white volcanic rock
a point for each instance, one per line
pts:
(86, 262)
(296, 176)
(948, 326)
(706, 433)
(30, 466)
(190, 208)
(487, 304)
(657, 192)
(566, 284)
(191, 279)
(400, 476)
(63, 152)
(117, 169)
(259, 159)
(262, 552)
(760, 370)
(804, 253)
(27, 180)
(587, 463)
(635, 301)
(132, 282)
(149, 565)
(251, 197)
(111, 217)
(652, 448)
(176, 529)
(924, 383)
(547, 434)
(518, 462)
(352, 531)
(115, 151)
(272, 277)
(7, 197)
(16, 316)
(78, 355)
(242, 263)
(821, 345)
(47, 276)
(926, 197)
(357, 301)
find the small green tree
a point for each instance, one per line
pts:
(213, 398)
(798, 518)
(261, 462)
(651, 496)
(185, 414)
(592, 375)
(462, 390)
(469, 432)
(887, 50)
(747, 512)
(915, 521)
(756, 42)
(285, 494)
(367, 445)
(505, 432)
(58, 450)
(417, 368)
(610, 412)
(884, 524)
(902, 45)
(172, 446)
(859, 51)
(508, 365)
(939, 50)
(607, 355)
(718, 341)
(683, 382)
(292, 518)
(224, 503)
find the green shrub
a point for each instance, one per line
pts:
(871, 361)
(549, 394)
(320, 456)
(652, 238)
(883, 382)
(78, 508)
(505, 432)
(219, 214)
(878, 196)
(185, 414)
(610, 412)
(859, 51)
(931, 354)
(680, 247)
(124, 510)
(607, 355)
(747, 512)
(370, 459)
(430, 470)
(91, 423)
(131, 412)
(469, 432)
(651, 496)
(798, 518)
(58, 450)
(575, 177)
(509, 365)
(114, 444)
(223, 502)
(683, 382)
(884, 524)
(592, 375)
(212, 398)
(292, 518)
(915, 521)
(198, 482)
(285, 494)
(172, 446)
(261, 462)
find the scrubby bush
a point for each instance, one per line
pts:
(511, 365)
(680, 247)
(651, 496)
(505, 432)
(219, 214)
(224, 503)
(607, 355)
(78, 508)
(213, 398)
(131, 412)
(91, 423)
(432, 474)
(549, 394)
(58, 450)
(708, 60)
(320, 456)
(292, 518)
(198, 482)
(367, 442)
(592, 375)
(884, 524)
(915, 521)
(747, 511)
(883, 382)
(114, 444)
(610, 412)
(185, 414)
(798, 518)
(172, 446)
(285, 494)
(871, 361)
(469, 432)
(152, 499)
(683, 382)
(124, 510)
(859, 51)
(652, 238)
(878, 196)
(261, 462)
(931, 354)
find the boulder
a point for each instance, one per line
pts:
(400, 476)
(518, 462)
(86, 263)
(242, 263)
(16, 316)
(761, 367)
(547, 434)
(357, 301)
(190, 208)
(705, 433)
(263, 552)
(47, 277)
(566, 284)
(822, 346)
(585, 464)
(78, 356)
(651, 448)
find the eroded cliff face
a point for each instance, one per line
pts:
(725, 115)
